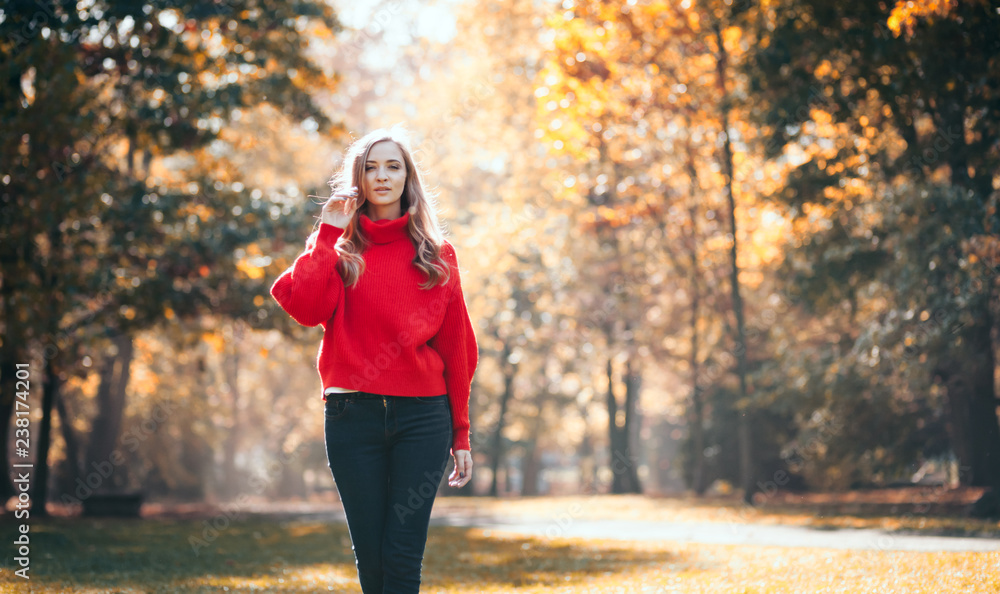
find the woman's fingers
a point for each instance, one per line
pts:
(349, 198)
(462, 473)
(352, 192)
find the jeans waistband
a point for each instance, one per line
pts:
(352, 395)
(370, 395)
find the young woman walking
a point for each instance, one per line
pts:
(397, 356)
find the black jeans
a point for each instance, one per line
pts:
(388, 455)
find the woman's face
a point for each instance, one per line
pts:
(385, 174)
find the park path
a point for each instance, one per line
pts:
(722, 533)
(731, 533)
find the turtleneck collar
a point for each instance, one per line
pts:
(386, 230)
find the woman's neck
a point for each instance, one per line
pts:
(379, 213)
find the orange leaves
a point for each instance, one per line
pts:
(906, 13)
(199, 210)
(215, 340)
(731, 37)
(619, 216)
(253, 262)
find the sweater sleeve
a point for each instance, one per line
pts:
(455, 341)
(311, 289)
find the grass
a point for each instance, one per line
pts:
(261, 554)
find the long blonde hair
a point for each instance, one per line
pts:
(423, 227)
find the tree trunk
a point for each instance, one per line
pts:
(8, 367)
(743, 408)
(11, 353)
(697, 423)
(630, 432)
(973, 404)
(50, 390)
(111, 392)
(588, 466)
(972, 389)
(696, 420)
(532, 462)
(614, 436)
(230, 445)
(624, 476)
(73, 450)
(508, 391)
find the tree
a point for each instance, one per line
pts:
(119, 248)
(909, 104)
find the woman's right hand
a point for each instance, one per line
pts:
(339, 209)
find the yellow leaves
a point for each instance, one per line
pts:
(475, 560)
(825, 69)
(821, 117)
(619, 215)
(214, 340)
(251, 271)
(610, 215)
(731, 38)
(252, 265)
(199, 210)
(907, 12)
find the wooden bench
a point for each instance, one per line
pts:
(124, 505)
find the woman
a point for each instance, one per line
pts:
(397, 356)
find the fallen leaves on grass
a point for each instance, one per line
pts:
(260, 555)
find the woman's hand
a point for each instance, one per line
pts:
(463, 469)
(339, 209)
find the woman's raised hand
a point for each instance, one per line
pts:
(339, 209)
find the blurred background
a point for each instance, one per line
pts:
(709, 247)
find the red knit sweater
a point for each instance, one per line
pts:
(385, 334)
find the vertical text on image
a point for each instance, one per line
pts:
(22, 470)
